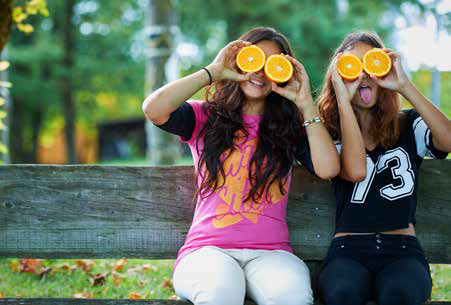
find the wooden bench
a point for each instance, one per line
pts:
(144, 212)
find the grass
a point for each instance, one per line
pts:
(151, 282)
(149, 279)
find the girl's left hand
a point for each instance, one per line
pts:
(397, 78)
(297, 89)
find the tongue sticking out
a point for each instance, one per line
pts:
(365, 95)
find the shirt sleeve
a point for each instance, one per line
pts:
(303, 156)
(181, 122)
(423, 137)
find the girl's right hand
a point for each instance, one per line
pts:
(344, 90)
(224, 65)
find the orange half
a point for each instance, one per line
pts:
(349, 66)
(250, 59)
(278, 68)
(376, 62)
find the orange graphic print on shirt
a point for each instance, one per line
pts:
(237, 186)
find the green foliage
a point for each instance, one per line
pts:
(108, 78)
(314, 28)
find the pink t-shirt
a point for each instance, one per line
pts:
(222, 219)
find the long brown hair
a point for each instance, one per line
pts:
(279, 135)
(385, 124)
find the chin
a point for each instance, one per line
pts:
(251, 93)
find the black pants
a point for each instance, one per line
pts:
(390, 269)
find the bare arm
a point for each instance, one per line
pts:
(353, 154)
(437, 122)
(322, 149)
(159, 105)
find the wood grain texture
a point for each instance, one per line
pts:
(52, 211)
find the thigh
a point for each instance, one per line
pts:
(405, 281)
(344, 281)
(210, 276)
(278, 277)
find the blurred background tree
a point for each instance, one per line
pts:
(83, 70)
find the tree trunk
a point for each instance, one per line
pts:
(66, 82)
(16, 145)
(162, 147)
(5, 21)
(5, 106)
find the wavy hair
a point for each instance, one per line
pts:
(385, 126)
(279, 133)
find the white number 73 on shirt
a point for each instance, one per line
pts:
(401, 171)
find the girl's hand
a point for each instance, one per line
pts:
(297, 89)
(344, 89)
(224, 65)
(396, 79)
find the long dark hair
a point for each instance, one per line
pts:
(385, 127)
(279, 135)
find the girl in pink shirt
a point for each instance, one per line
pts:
(244, 139)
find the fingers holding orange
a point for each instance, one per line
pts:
(278, 68)
(349, 66)
(377, 62)
(250, 59)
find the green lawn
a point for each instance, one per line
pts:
(147, 278)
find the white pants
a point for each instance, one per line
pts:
(216, 276)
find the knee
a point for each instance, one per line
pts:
(340, 295)
(218, 295)
(302, 296)
(401, 295)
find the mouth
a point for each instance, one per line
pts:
(257, 83)
(365, 94)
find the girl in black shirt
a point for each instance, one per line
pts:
(374, 253)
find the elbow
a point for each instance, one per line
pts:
(148, 109)
(357, 175)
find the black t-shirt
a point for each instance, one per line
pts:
(183, 120)
(386, 199)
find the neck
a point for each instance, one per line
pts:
(253, 107)
(364, 118)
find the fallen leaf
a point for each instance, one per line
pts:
(1, 295)
(44, 271)
(83, 295)
(13, 266)
(134, 295)
(119, 265)
(84, 265)
(64, 267)
(98, 279)
(148, 266)
(118, 278)
(166, 282)
(29, 265)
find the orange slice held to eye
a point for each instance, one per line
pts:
(376, 62)
(349, 66)
(250, 59)
(278, 68)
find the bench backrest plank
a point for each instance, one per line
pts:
(51, 211)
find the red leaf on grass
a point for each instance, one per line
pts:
(84, 265)
(134, 295)
(167, 283)
(119, 265)
(29, 265)
(83, 295)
